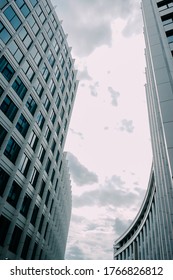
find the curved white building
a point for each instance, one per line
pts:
(154, 237)
(37, 92)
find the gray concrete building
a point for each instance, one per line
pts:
(151, 234)
(37, 92)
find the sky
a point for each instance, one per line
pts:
(108, 142)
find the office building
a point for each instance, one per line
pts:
(151, 234)
(37, 91)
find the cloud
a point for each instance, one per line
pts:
(79, 173)
(112, 193)
(89, 22)
(93, 89)
(127, 125)
(75, 253)
(83, 75)
(77, 133)
(121, 225)
(114, 96)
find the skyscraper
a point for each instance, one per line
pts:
(151, 234)
(37, 91)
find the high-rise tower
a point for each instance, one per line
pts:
(37, 92)
(151, 234)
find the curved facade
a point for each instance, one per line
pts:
(158, 32)
(37, 92)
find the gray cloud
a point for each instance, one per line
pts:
(121, 225)
(75, 253)
(83, 75)
(114, 96)
(112, 193)
(127, 125)
(93, 89)
(89, 22)
(79, 173)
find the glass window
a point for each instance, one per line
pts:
(15, 239)
(3, 133)
(33, 2)
(47, 198)
(12, 150)
(48, 164)
(66, 74)
(25, 205)
(25, 247)
(3, 3)
(46, 103)
(40, 120)
(19, 88)
(65, 50)
(24, 164)
(52, 176)
(57, 157)
(53, 145)
(33, 140)
(34, 177)
(52, 87)
(62, 139)
(23, 7)
(25, 37)
(5, 223)
(69, 85)
(41, 223)
(41, 153)
(1, 91)
(47, 8)
(33, 25)
(57, 73)
(22, 125)
(66, 98)
(31, 105)
(61, 60)
(42, 188)
(12, 17)
(4, 34)
(3, 180)
(34, 251)
(38, 88)
(36, 55)
(53, 116)
(55, 24)
(28, 71)
(47, 134)
(34, 215)
(69, 63)
(62, 86)
(62, 113)
(14, 194)
(45, 72)
(6, 69)
(43, 42)
(58, 129)
(51, 207)
(60, 36)
(49, 30)
(9, 108)
(51, 58)
(40, 14)
(16, 52)
(56, 46)
(58, 101)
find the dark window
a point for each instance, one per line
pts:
(52, 176)
(34, 215)
(33, 24)
(23, 7)
(57, 157)
(3, 180)
(25, 38)
(48, 164)
(52, 87)
(33, 140)
(19, 88)
(6, 69)
(5, 223)
(41, 223)
(62, 113)
(47, 134)
(3, 133)
(34, 177)
(40, 120)
(3, 3)
(25, 247)
(12, 150)
(4, 34)
(41, 153)
(51, 207)
(29, 72)
(1, 91)
(14, 194)
(31, 105)
(58, 101)
(16, 52)
(12, 17)
(47, 198)
(46, 103)
(25, 205)
(9, 108)
(24, 164)
(53, 117)
(15, 239)
(34, 251)
(169, 35)
(62, 86)
(42, 188)
(53, 146)
(45, 233)
(56, 184)
(22, 125)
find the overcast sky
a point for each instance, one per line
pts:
(108, 142)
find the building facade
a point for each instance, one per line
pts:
(153, 239)
(37, 92)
